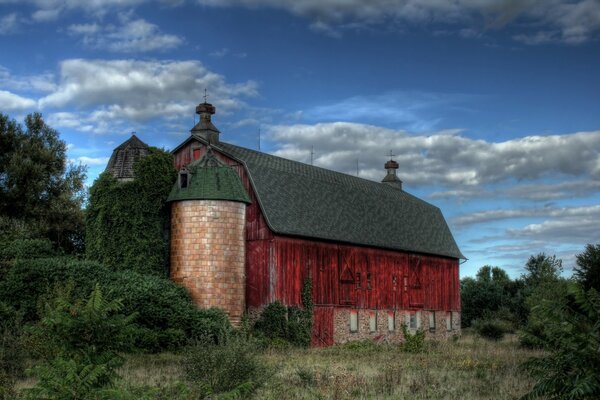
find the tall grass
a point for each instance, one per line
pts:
(469, 368)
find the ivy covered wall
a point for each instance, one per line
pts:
(127, 222)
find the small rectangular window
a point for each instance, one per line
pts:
(353, 321)
(448, 321)
(358, 280)
(372, 321)
(369, 281)
(431, 321)
(413, 321)
(391, 321)
(183, 180)
(418, 317)
(454, 320)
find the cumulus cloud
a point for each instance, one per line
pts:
(13, 102)
(90, 161)
(573, 21)
(104, 92)
(130, 36)
(444, 157)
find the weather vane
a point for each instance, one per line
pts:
(392, 155)
(205, 95)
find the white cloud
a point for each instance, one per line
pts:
(13, 102)
(105, 94)
(42, 82)
(443, 157)
(44, 15)
(132, 36)
(91, 161)
(8, 24)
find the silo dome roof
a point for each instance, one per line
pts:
(208, 179)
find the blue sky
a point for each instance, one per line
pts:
(491, 107)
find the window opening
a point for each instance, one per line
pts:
(183, 179)
(391, 321)
(372, 321)
(431, 321)
(353, 321)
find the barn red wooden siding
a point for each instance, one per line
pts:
(342, 275)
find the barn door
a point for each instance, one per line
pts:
(415, 287)
(347, 280)
(322, 329)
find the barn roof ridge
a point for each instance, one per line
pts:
(331, 205)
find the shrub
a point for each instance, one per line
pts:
(413, 342)
(12, 354)
(570, 367)
(490, 329)
(292, 324)
(231, 365)
(165, 315)
(78, 342)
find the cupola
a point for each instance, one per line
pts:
(205, 128)
(125, 156)
(392, 178)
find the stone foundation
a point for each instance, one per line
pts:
(342, 333)
(208, 253)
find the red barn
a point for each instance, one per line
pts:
(377, 256)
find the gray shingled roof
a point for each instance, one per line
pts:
(303, 200)
(125, 156)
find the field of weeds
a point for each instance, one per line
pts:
(468, 368)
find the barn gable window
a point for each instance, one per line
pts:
(432, 321)
(372, 321)
(353, 321)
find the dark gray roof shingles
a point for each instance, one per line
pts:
(303, 200)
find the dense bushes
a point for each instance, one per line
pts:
(569, 369)
(490, 328)
(231, 366)
(165, 316)
(127, 222)
(292, 324)
(77, 342)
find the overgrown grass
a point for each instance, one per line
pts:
(469, 368)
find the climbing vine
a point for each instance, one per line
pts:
(127, 222)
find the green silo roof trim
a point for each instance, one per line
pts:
(209, 179)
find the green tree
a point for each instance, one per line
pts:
(39, 189)
(127, 222)
(587, 271)
(542, 268)
(485, 296)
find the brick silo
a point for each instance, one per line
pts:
(208, 214)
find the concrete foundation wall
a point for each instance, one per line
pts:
(208, 253)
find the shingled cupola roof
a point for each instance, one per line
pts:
(209, 179)
(125, 156)
(205, 128)
(391, 178)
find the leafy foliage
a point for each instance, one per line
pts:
(127, 222)
(413, 342)
(78, 343)
(587, 271)
(12, 354)
(40, 193)
(490, 329)
(570, 369)
(231, 367)
(165, 315)
(542, 268)
(291, 324)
